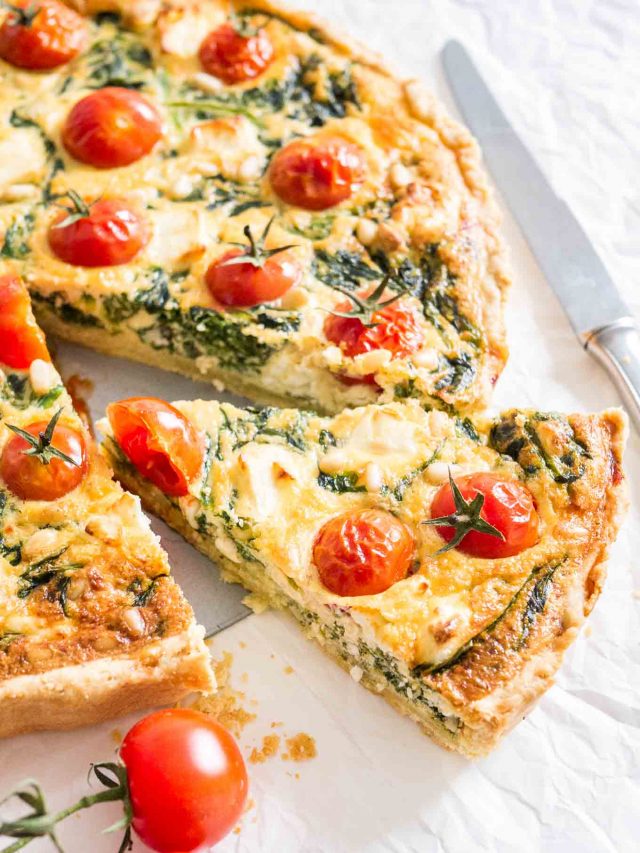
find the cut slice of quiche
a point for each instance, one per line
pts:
(444, 565)
(381, 276)
(91, 623)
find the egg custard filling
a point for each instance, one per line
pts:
(136, 177)
(443, 563)
(92, 624)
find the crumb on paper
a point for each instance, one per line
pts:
(269, 748)
(300, 747)
(288, 670)
(237, 830)
(242, 644)
(225, 705)
(251, 804)
(116, 736)
(275, 724)
(244, 677)
(588, 631)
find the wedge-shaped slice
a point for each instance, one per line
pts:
(91, 623)
(325, 517)
(387, 185)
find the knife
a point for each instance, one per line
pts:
(603, 323)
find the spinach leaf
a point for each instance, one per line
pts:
(16, 238)
(459, 373)
(119, 59)
(344, 269)
(340, 483)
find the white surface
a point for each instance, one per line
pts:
(568, 778)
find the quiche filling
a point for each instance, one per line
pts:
(272, 480)
(415, 217)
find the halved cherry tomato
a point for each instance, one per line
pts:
(363, 552)
(31, 478)
(232, 57)
(41, 34)
(397, 329)
(317, 173)
(187, 780)
(161, 443)
(21, 339)
(111, 233)
(111, 127)
(245, 284)
(508, 506)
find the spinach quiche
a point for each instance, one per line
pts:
(233, 192)
(445, 565)
(91, 623)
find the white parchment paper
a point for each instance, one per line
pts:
(567, 780)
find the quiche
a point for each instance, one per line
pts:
(91, 623)
(232, 192)
(446, 565)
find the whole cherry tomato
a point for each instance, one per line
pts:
(21, 339)
(317, 173)
(508, 507)
(243, 284)
(41, 34)
(234, 58)
(161, 443)
(104, 234)
(363, 552)
(48, 465)
(111, 127)
(395, 328)
(188, 782)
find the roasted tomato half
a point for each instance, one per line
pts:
(233, 57)
(111, 127)
(363, 552)
(21, 339)
(106, 233)
(39, 35)
(317, 173)
(159, 440)
(490, 517)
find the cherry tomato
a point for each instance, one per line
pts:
(187, 780)
(161, 443)
(363, 552)
(111, 127)
(41, 35)
(32, 479)
(245, 284)
(21, 339)
(111, 234)
(508, 506)
(233, 58)
(397, 330)
(317, 173)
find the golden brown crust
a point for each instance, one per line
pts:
(89, 693)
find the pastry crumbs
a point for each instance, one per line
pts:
(288, 670)
(300, 747)
(225, 704)
(270, 746)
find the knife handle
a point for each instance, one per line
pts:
(617, 348)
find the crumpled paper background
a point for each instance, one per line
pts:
(568, 778)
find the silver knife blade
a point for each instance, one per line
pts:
(561, 247)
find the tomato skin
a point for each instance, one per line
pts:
(246, 285)
(21, 339)
(112, 234)
(161, 443)
(187, 780)
(316, 174)
(32, 480)
(233, 58)
(54, 36)
(397, 330)
(111, 127)
(363, 552)
(508, 506)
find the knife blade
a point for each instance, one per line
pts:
(590, 299)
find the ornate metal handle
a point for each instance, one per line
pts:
(617, 348)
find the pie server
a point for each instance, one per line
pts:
(603, 323)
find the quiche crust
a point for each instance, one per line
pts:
(466, 695)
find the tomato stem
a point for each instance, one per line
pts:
(41, 446)
(255, 253)
(24, 17)
(365, 307)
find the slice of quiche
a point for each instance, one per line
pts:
(445, 567)
(91, 623)
(276, 211)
